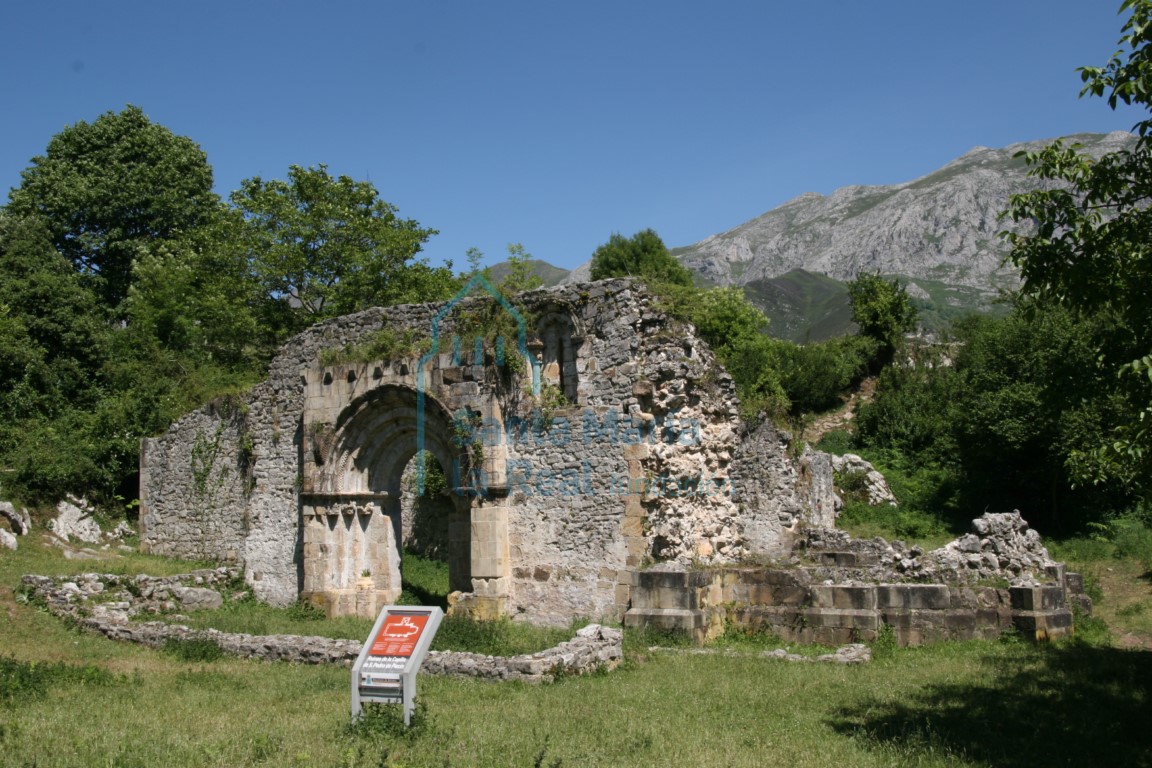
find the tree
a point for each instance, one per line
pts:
(53, 339)
(884, 312)
(643, 255)
(1090, 249)
(1019, 397)
(519, 276)
(105, 188)
(325, 246)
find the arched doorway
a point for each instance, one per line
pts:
(353, 516)
(434, 530)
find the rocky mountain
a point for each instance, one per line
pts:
(939, 234)
(941, 228)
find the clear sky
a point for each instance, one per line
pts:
(554, 124)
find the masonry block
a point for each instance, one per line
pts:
(847, 619)
(1043, 598)
(925, 597)
(844, 597)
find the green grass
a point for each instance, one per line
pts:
(425, 580)
(90, 701)
(966, 704)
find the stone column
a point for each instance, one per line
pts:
(491, 564)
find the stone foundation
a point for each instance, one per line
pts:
(788, 602)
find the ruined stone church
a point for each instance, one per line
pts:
(593, 437)
(574, 453)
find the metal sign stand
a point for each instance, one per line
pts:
(385, 671)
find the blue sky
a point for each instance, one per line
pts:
(554, 124)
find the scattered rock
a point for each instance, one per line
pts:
(874, 483)
(122, 531)
(19, 521)
(856, 653)
(74, 521)
(198, 598)
(8, 539)
(81, 554)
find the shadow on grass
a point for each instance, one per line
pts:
(421, 596)
(1053, 706)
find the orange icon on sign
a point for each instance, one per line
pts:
(404, 629)
(398, 635)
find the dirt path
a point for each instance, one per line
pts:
(842, 416)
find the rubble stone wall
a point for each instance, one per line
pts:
(561, 499)
(111, 604)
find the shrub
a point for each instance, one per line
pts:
(32, 679)
(1132, 538)
(838, 442)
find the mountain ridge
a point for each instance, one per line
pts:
(943, 226)
(939, 234)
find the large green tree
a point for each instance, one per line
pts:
(884, 312)
(324, 246)
(643, 255)
(54, 337)
(1090, 249)
(106, 188)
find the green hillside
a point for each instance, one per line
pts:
(549, 274)
(803, 306)
(806, 307)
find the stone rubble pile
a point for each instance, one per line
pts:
(1000, 546)
(108, 603)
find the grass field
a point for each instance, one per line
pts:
(69, 698)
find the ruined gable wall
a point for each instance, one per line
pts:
(256, 519)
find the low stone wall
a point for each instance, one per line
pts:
(787, 602)
(835, 589)
(109, 603)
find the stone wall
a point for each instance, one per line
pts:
(838, 590)
(110, 604)
(556, 501)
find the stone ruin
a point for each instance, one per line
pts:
(833, 589)
(561, 466)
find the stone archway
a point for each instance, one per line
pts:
(351, 512)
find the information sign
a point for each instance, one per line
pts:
(385, 671)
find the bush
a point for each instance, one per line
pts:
(838, 442)
(1132, 538)
(816, 376)
(32, 679)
